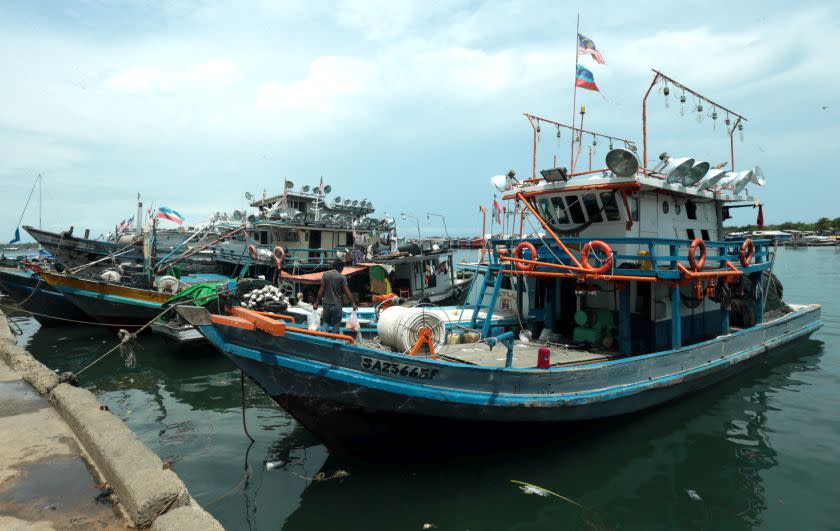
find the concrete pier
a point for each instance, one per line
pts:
(60, 449)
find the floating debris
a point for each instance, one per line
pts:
(530, 488)
(693, 495)
(429, 526)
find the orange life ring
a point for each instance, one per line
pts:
(692, 251)
(252, 251)
(743, 255)
(517, 253)
(604, 248)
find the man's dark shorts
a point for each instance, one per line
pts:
(331, 317)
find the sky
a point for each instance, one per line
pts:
(412, 105)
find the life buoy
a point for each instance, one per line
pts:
(517, 253)
(252, 251)
(692, 252)
(745, 254)
(604, 248)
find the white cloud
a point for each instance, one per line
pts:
(136, 80)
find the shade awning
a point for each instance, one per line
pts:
(315, 278)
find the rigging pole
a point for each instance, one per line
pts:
(574, 97)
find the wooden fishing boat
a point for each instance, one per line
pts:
(48, 306)
(627, 299)
(110, 303)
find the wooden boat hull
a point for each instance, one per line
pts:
(109, 303)
(346, 394)
(73, 251)
(39, 297)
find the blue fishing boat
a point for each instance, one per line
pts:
(626, 294)
(47, 305)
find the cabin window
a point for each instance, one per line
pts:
(665, 207)
(691, 209)
(705, 234)
(690, 233)
(263, 237)
(677, 208)
(592, 208)
(545, 209)
(634, 208)
(289, 235)
(560, 213)
(575, 209)
(610, 206)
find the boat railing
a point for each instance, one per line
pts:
(649, 262)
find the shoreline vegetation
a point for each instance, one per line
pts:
(822, 225)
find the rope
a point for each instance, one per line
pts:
(92, 323)
(126, 336)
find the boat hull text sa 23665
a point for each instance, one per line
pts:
(642, 303)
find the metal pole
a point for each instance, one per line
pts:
(574, 97)
(40, 202)
(732, 142)
(644, 121)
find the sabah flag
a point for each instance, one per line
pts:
(585, 79)
(497, 209)
(171, 215)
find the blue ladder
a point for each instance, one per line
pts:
(487, 282)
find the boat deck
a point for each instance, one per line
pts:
(524, 354)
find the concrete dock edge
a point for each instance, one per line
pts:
(150, 494)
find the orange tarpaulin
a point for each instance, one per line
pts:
(315, 278)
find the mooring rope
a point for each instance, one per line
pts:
(125, 336)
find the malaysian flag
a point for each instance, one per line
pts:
(587, 46)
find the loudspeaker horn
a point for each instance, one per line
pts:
(327, 189)
(305, 189)
(623, 162)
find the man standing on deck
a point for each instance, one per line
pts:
(333, 284)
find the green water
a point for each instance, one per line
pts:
(757, 451)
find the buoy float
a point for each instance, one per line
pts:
(252, 251)
(604, 248)
(517, 253)
(745, 255)
(697, 263)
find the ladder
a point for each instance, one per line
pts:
(492, 277)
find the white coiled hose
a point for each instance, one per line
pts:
(399, 327)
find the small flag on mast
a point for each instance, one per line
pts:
(585, 79)
(587, 46)
(497, 209)
(17, 236)
(171, 215)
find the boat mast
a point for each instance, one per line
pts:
(574, 96)
(40, 201)
(139, 218)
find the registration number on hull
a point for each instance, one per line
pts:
(411, 371)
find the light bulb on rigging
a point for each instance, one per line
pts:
(594, 144)
(666, 91)
(714, 119)
(741, 132)
(682, 104)
(699, 112)
(558, 136)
